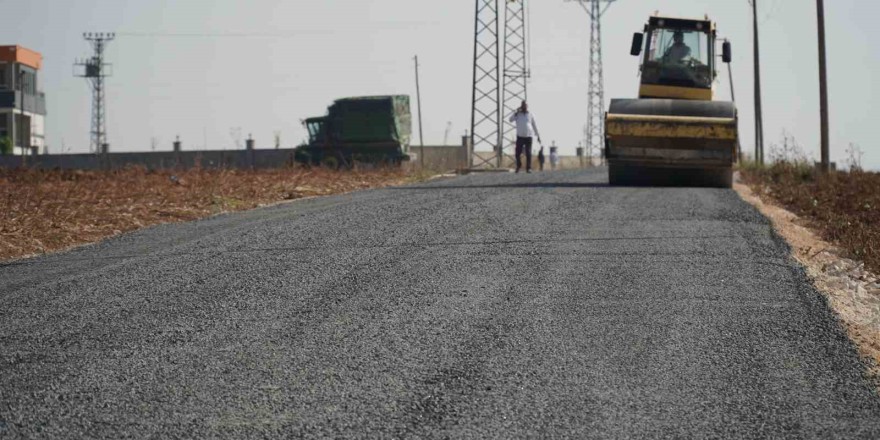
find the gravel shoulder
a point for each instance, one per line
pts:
(502, 306)
(852, 291)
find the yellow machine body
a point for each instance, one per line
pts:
(674, 130)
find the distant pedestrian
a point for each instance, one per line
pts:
(554, 156)
(541, 158)
(526, 129)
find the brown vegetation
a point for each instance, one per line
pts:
(48, 210)
(843, 207)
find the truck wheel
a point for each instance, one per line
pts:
(330, 163)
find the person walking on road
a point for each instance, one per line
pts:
(541, 159)
(526, 129)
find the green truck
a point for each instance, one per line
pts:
(369, 129)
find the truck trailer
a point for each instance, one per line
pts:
(369, 129)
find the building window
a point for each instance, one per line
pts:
(3, 84)
(28, 83)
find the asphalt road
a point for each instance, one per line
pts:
(494, 306)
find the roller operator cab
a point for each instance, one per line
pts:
(674, 133)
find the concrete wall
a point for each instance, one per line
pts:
(441, 158)
(437, 158)
(158, 160)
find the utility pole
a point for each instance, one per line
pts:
(516, 70)
(733, 99)
(486, 105)
(823, 88)
(95, 71)
(24, 151)
(759, 118)
(501, 72)
(595, 134)
(419, 102)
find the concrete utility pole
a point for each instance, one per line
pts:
(24, 151)
(759, 118)
(823, 88)
(419, 101)
(733, 100)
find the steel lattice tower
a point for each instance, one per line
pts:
(95, 71)
(498, 88)
(516, 69)
(595, 129)
(486, 109)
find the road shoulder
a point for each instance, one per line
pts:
(852, 292)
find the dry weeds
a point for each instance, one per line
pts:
(49, 210)
(843, 207)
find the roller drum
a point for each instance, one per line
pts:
(667, 141)
(673, 107)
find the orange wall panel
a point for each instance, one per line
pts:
(18, 54)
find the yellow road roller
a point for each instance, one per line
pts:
(674, 133)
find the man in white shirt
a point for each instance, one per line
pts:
(526, 129)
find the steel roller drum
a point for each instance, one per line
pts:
(673, 107)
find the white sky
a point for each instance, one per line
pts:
(302, 55)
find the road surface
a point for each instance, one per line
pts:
(493, 306)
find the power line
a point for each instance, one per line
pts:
(218, 35)
(283, 34)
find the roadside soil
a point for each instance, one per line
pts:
(842, 207)
(852, 291)
(45, 211)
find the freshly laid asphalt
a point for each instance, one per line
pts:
(484, 306)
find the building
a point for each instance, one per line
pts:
(22, 104)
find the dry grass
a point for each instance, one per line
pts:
(48, 210)
(843, 207)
